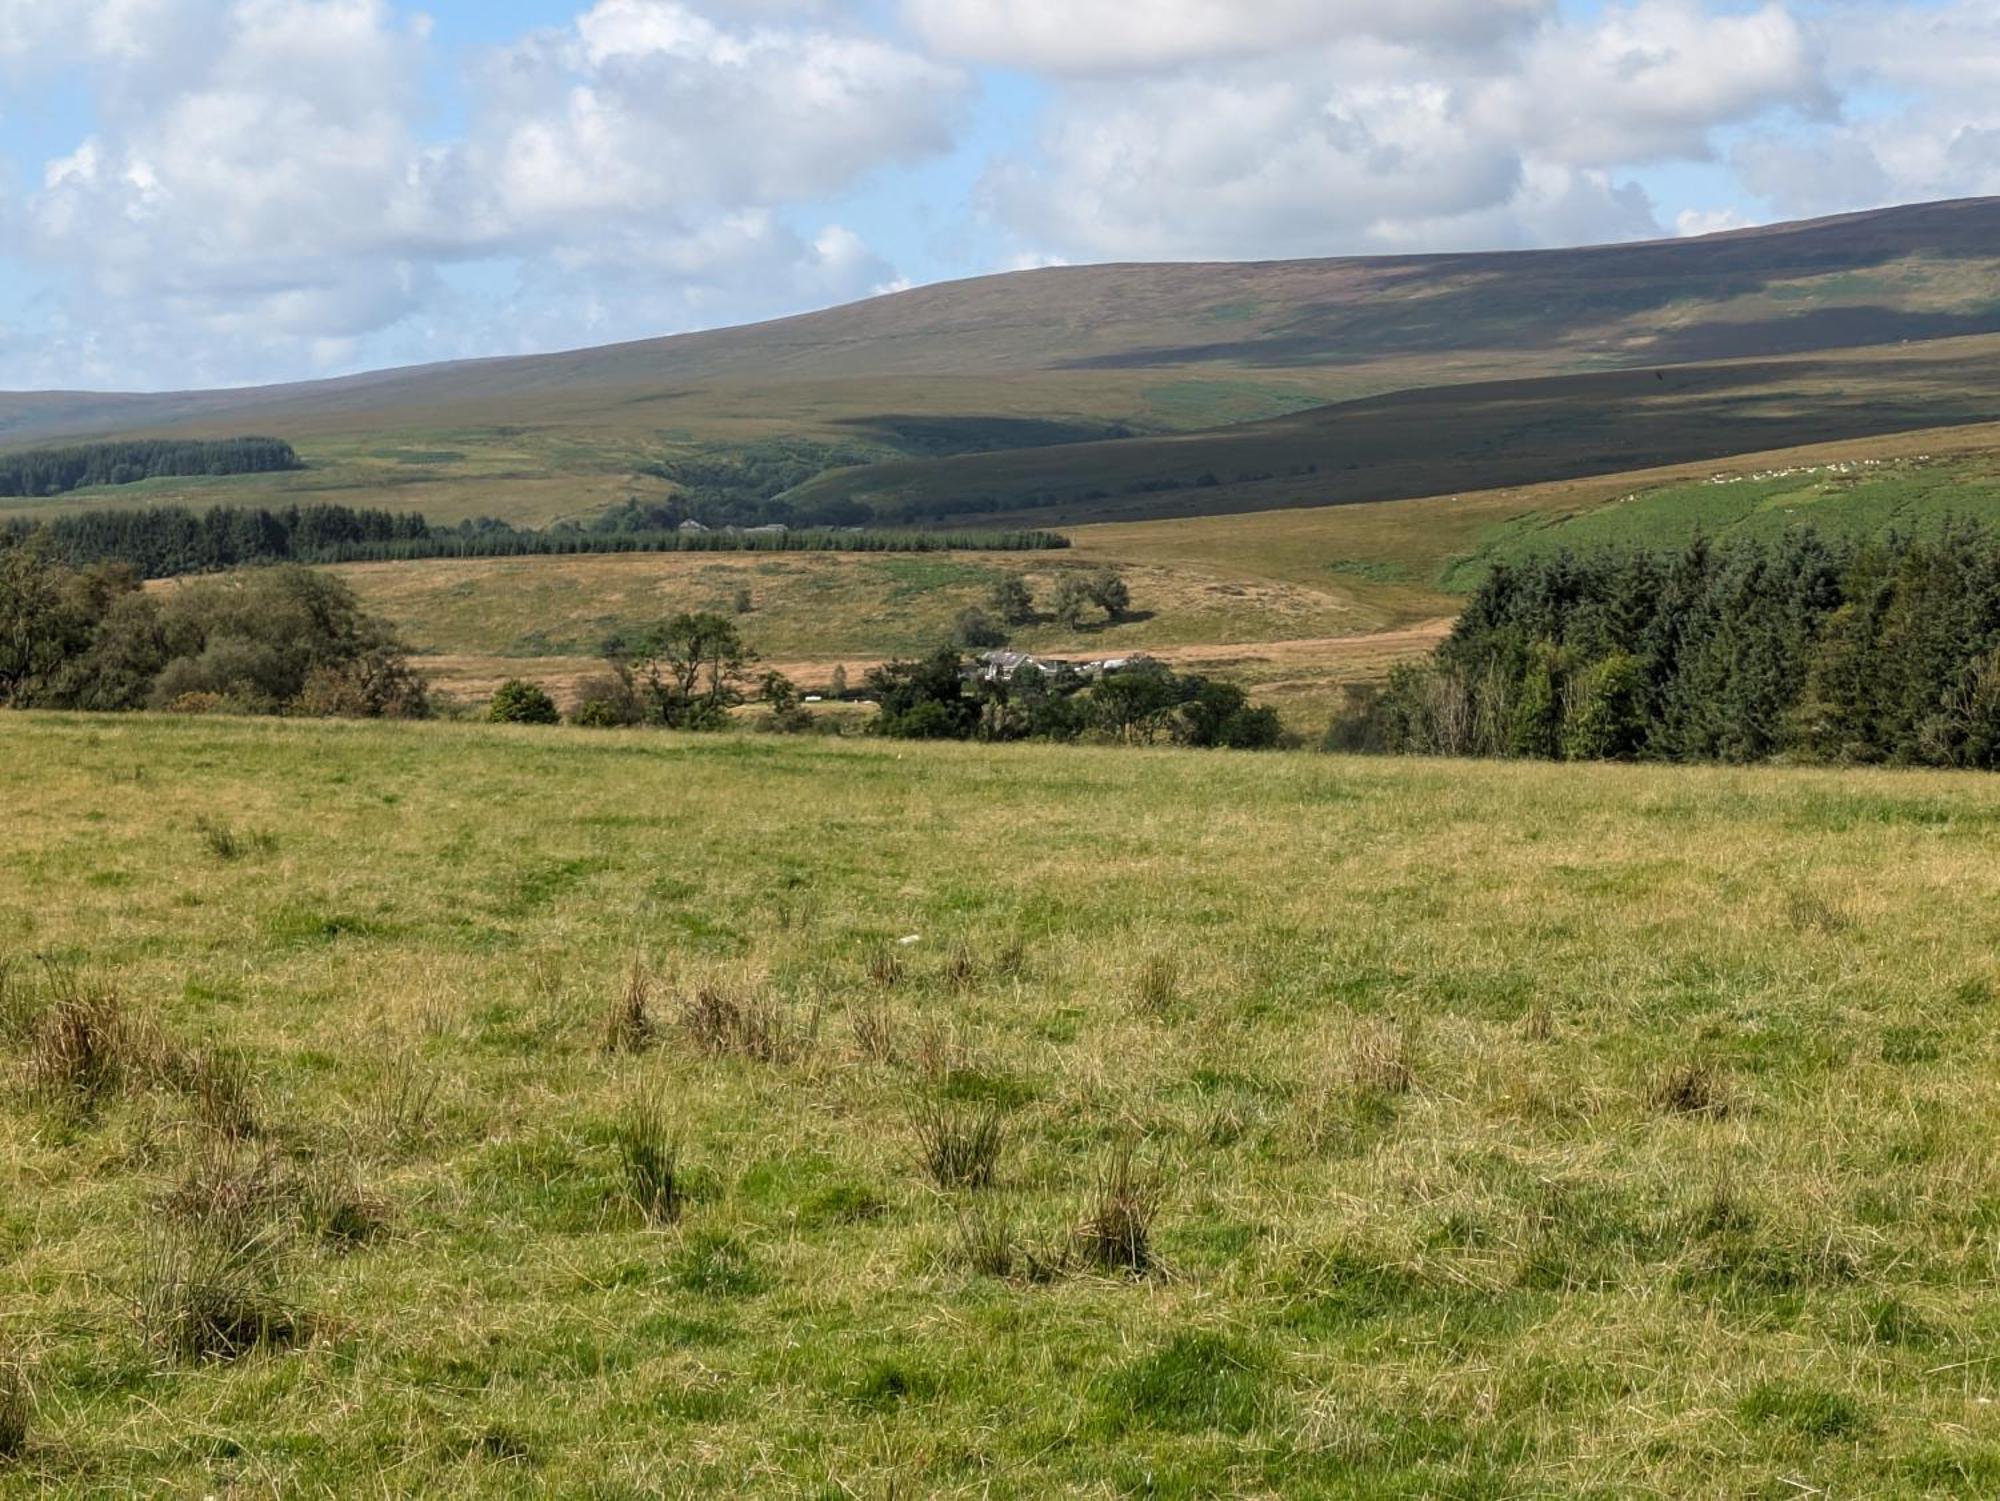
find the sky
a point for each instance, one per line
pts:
(223, 192)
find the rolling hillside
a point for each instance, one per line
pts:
(1293, 604)
(1778, 331)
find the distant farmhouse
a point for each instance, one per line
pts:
(1005, 666)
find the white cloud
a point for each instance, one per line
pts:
(262, 191)
(1691, 223)
(1108, 36)
(276, 192)
(646, 107)
(1924, 125)
(1652, 81)
(1371, 143)
(1249, 165)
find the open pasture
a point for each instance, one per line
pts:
(465, 1111)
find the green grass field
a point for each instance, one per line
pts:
(1497, 1130)
(1839, 499)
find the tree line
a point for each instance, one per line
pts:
(940, 697)
(1809, 649)
(40, 472)
(171, 541)
(283, 640)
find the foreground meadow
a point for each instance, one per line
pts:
(440, 1110)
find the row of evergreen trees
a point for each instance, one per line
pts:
(471, 542)
(169, 541)
(57, 471)
(1883, 651)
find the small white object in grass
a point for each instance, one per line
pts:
(909, 939)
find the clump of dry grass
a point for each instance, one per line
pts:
(336, 1210)
(1116, 1231)
(1691, 1088)
(83, 1045)
(1809, 912)
(939, 1052)
(1378, 1059)
(18, 1003)
(240, 1199)
(885, 968)
(1157, 985)
(959, 1146)
(1012, 960)
(986, 1242)
(961, 967)
(217, 1081)
(874, 1030)
(231, 1196)
(401, 1111)
(628, 1021)
(756, 1027)
(226, 845)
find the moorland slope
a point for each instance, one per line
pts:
(1043, 359)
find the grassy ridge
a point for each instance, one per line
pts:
(1516, 1130)
(1854, 499)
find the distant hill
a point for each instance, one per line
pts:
(1439, 440)
(1038, 361)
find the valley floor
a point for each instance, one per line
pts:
(1485, 1130)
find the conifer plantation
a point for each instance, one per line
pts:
(57, 471)
(1883, 651)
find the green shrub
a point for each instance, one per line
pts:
(978, 631)
(519, 702)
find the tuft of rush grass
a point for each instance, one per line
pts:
(1378, 1059)
(226, 844)
(1116, 1231)
(987, 1240)
(722, 1023)
(1469, 1251)
(650, 1154)
(207, 1296)
(628, 1020)
(1691, 1088)
(1158, 983)
(83, 1045)
(959, 1146)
